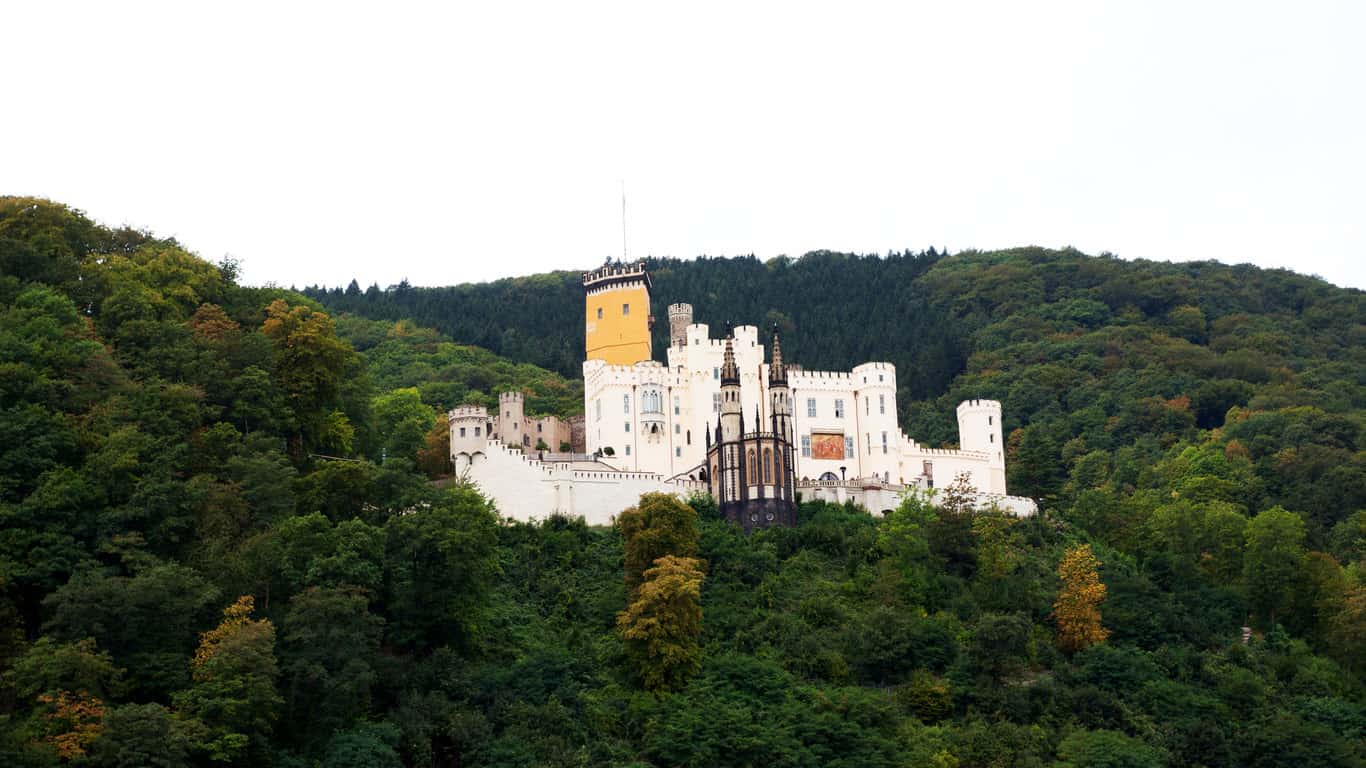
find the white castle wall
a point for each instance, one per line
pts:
(526, 489)
(882, 499)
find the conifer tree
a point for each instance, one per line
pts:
(1077, 610)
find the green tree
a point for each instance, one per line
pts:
(145, 736)
(327, 654)
(310, 364)
(402, 422)
(440, 565)
(1106, 749)
(1271, 564)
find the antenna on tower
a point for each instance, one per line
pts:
(623, 221)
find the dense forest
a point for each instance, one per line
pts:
(220, 542)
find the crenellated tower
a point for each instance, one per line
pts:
(617, 314)
(680, 317)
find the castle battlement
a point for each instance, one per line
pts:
(952, 453)
(468, 412)
(875, 366)
(840, 376)
(977, 403)
(614, 275)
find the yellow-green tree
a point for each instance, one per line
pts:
(659, 525)
(662, 624)
(233, 693)
(1077, 609)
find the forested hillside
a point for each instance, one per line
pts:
(219, 545)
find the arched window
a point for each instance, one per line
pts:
(753, 470)
(768, 465)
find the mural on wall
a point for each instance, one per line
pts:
(827, 446)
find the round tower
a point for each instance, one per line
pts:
(469, 435)
(680, 317)
(979, 429)
(511, 419)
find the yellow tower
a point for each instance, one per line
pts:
(617, 314)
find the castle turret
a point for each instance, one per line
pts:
(617, 314)
(680, 317)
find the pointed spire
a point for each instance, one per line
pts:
(730, 374)
(777, 372)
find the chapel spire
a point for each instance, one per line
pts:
(730, 374)
(777, 372)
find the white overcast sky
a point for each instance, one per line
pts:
(450, 142)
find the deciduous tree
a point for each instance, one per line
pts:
(1077, 609)
(663, 623)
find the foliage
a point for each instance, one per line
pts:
(659, 525)
(171, 440)
(663, 622)
(1077, 609)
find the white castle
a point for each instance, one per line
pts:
(647, 423)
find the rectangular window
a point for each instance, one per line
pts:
(678, 453)
(538, 427)
(675, 405)
(879, 377)
(839, 408)
(678, 428)
(625, 309)
(599, 313)
(884, 442)
(811, 407)
(462, 431)
(867, 406)
(628, 450)
(625, 403)
(626, 426)
(716, 402)
(476, 431)
(881, 403)
(716, 374)
(991, 438)
(849, 446)
(868, 438)
(806, 446)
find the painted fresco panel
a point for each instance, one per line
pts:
(827, 446)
